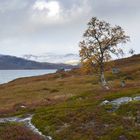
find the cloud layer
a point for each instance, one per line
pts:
(46, 11)
(37, 26)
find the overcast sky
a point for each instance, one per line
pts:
(41, 26)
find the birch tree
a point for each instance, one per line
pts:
(100, 40)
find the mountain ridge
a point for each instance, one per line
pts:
(8, 62)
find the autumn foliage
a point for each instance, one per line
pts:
(100, 42)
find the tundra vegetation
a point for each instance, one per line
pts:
(67, 105)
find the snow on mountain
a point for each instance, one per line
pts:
(8, 62)
(70, 58)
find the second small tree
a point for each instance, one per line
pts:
(100, 41)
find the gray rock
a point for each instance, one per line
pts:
(23, 106)
(123, 84)
(121, 101)
(105, 102)
(137, 98)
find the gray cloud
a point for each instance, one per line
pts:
(116, 7)
(26, 28)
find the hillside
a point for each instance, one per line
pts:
(70, 105)
(12, 62)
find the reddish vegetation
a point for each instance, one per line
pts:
(17, 132)
(66, 105)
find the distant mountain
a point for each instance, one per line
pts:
(12, 62)
(72, 59)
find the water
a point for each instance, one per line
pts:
(9, 75)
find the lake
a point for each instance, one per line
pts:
(9, 75)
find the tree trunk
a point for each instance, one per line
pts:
(102, 77)
(103, 81)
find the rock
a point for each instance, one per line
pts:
(23, 106)
(60, 70)
(123, 84)
(19, 106)
(105, 102)
(49, 138)
(137, 98)
(121, 101)
(115, 70)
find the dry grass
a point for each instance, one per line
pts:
(66, 105)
